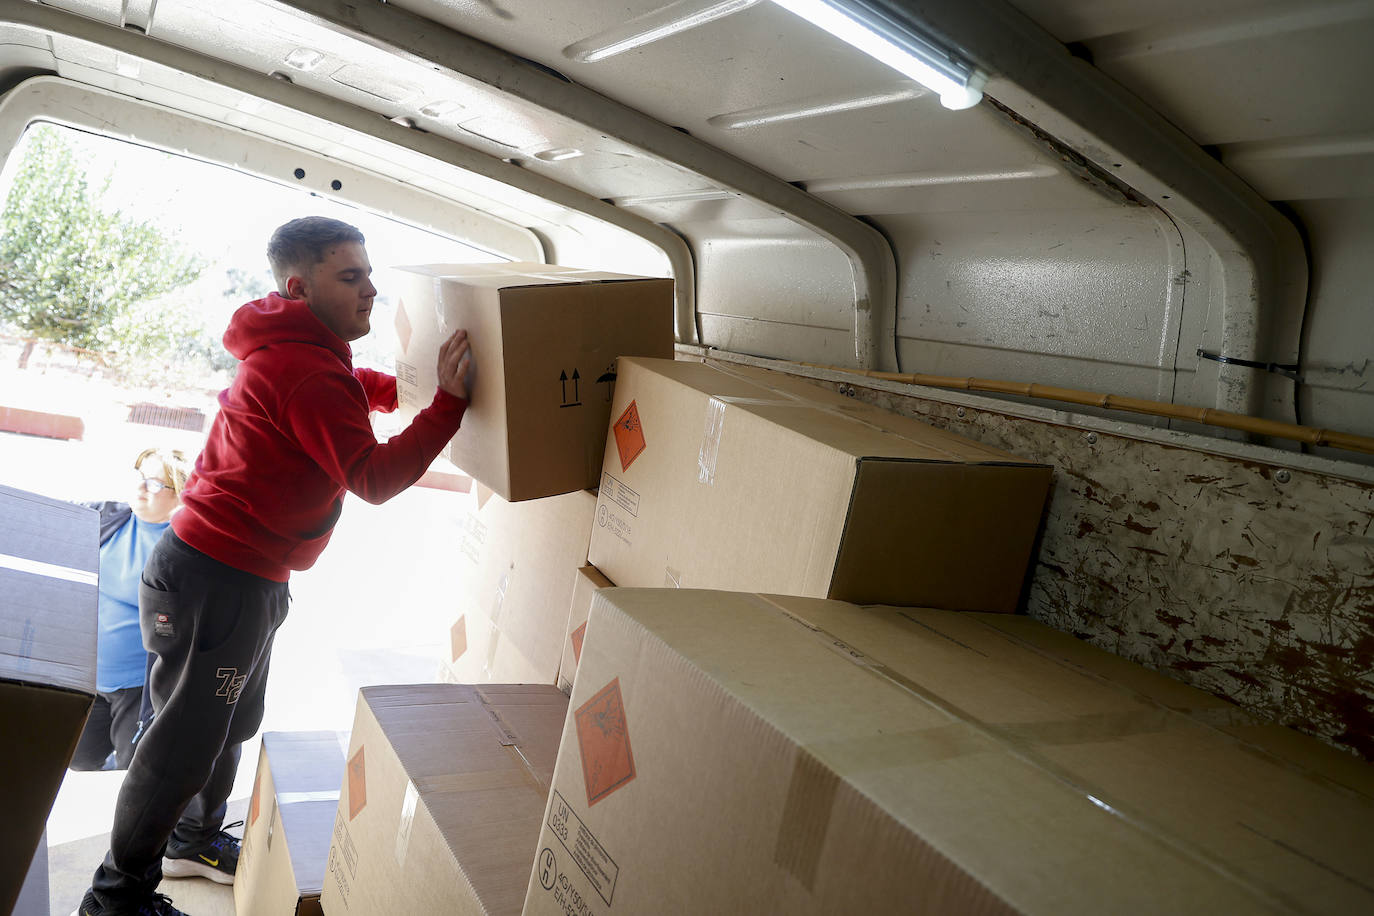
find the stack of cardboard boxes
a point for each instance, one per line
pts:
(49, 564)
(809, 693)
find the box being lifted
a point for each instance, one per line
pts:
(735, 753)
(544, 341)
(747, 480)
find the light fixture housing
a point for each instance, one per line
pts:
(865, 26)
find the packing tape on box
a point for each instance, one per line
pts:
(967, 734)
(845, 411)
(709, 452)
(408, 803)
(48, 570)
(519, 777)
(1216, 718)
(297, 798)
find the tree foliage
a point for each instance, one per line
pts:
(77, 271)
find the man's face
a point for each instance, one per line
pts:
(339, 290)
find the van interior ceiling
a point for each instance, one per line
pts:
(1169, 202)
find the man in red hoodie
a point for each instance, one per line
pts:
(292, 434)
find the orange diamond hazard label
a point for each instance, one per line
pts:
(458, 638)
(577, 636)
(629, 436)
(257, 797)
(402, 325)
(607, 762)
(357, 784)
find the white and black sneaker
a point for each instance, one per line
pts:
(216, 859)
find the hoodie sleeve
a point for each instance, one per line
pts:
(327, 415)
(380, 389)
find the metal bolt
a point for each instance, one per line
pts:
(1283, 476)
(960, 413)
(1092, 438)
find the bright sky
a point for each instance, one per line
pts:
(227, 216)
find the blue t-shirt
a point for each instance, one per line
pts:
(120, 659)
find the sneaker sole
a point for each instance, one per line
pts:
(190, 868)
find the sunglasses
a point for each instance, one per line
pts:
(152, 485)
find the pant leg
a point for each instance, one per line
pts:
(205, 813)
(124, 706)
(211, 628)
(94, 744)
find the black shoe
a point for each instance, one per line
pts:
(216, 859)
(156, 905)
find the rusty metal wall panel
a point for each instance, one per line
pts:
(1253, 581)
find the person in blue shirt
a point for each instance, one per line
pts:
(128, 532)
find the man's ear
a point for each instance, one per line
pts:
(295, 287)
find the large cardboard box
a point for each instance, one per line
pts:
(517, 566)
(736, 753)
(544, 341)
(589, 581)
(290, 823)
(49, 567)
(747, 480)
(442, 799)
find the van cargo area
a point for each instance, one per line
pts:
(1055, 314)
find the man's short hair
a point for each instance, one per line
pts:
(301, 244)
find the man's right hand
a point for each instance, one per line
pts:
(455, 365)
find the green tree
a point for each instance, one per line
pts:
(76, 271)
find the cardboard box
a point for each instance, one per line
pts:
(589, 581)
(736, 753)
(519, 562)
(442, 799)
(290, 823)
(33, 895)
(49, 567)
(544, 341)
(746, 480)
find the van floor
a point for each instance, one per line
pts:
(70, 866)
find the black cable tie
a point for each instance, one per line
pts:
(1287, 370)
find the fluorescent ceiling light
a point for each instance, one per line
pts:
(959, 85)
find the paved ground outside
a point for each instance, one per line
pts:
(375, 609)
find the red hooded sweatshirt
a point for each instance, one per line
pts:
(291, 435)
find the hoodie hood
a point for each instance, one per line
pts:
(276, 319)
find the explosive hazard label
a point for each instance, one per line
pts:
(458, 638)
(577, 637)
(256, 807)
(604, 743)
(629, 436)
(357, 784)
(584, 849)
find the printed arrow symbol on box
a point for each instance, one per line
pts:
(574, 380)
(563, 377)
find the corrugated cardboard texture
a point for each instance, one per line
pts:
(847, 759)
(519, 563)
(49, 558)
(544, 340)
(290, 822)
(588, 581)
(744, 485)
(456, 782)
